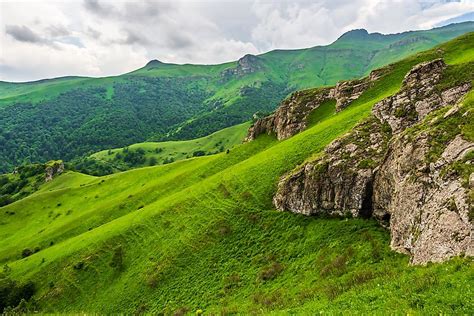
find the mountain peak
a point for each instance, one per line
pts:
(154, 63)
(355, 34)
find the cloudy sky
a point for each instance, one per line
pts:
(50, 38)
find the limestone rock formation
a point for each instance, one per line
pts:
(341, 180)
(429, 211)
(53, 169)
(400, 169)
(418, 97)
(245, 65)
(291, 116)
(347, 91)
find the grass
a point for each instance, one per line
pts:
(201, 234)
(178, 150)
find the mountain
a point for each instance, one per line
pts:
(207, 234)
(69, 117)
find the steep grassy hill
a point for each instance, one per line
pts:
(68, 117)
(201, 234)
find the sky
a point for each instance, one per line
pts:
(51, 38)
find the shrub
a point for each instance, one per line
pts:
(153, 161)
(181, 311)
(79, 265)
(12, 293)
(231, 281)
(26, 253)
(271, 272)
(117, 258)
(268, 299)
(338, 265)
(198, 153)
(333, 290)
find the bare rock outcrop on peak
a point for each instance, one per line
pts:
(245, 65)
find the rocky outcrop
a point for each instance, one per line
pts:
(341, 180)
(291, 116)
(418, 97)
(53, 169)
(245, 65)
(398, 169)
(428, 211)
(347, 91)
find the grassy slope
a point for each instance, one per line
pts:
(206, 236)
(179, 150)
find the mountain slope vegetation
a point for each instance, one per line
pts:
(201, 234)
(70, 117)
(154, 153)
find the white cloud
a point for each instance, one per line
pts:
(48, 38)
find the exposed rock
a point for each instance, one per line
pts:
(341, 180)
(409, 41)
(245, 65)
(372, 172)
(291, 116)
(428, 213)
(348, 91)
(417, 97)
(53, 168)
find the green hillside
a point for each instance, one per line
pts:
(70, 117)
(157, 153)
(201, 235)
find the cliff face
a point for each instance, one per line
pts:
(291, 116)
(427, 204)
(418, 97)
(401, 167)
(341, 180)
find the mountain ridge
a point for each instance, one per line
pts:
(69, 118)
(345, 35)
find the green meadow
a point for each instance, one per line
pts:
(153, 153)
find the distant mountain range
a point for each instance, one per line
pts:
(67, 117)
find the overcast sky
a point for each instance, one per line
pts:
(43, 39)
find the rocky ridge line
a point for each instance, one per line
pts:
(291, 116)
